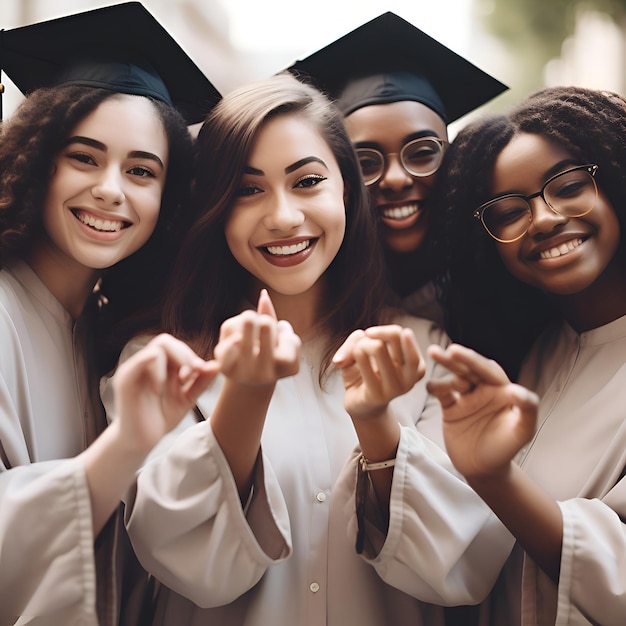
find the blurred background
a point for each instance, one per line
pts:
(525, 43)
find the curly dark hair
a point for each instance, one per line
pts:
(210, 284)
(487, 308)
(30, 141)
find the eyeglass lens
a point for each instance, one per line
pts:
(572, 193)
(420, 157)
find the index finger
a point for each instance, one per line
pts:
(468, 363)
(265, 305)
(176, 351)
(344, 355)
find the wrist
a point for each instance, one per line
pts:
(370, 414)
(257, 391)
(126, 443)
(491, 482)
(379, 440)
(372, 466)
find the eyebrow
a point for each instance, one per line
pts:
(420, 134)
(289, 169)
(141, 154)
(98, 145)
(298, 164)
(557, 168)
(560, 167)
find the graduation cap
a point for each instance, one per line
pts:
(388, 60)
(122, 48)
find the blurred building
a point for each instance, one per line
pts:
(235, 41)
(594, 56)
(201, 27)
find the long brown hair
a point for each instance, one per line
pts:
(209, 284)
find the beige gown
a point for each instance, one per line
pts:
(289, 556)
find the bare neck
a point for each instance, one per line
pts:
(69, 282)
(599, 304)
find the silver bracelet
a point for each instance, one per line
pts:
(369, 466)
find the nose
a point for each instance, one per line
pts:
(395, 177)
(545, 219)
(283, 213)
(108, 187)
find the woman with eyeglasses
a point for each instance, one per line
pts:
(536, 207)
(398, 89)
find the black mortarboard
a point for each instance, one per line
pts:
(120, 47)
(388, 60)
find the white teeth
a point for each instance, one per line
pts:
(400, 212)
(285, 250)
(564, 248)
(98, 224)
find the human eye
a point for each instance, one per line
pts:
(308, 181)
(81, 157)
(505, 211)
(248, 189)
(370, 161)
(569, 184)
(141, 171)
(422, 152)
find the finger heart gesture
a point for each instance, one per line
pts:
(487, 419)
(255, 348)
(377, 365)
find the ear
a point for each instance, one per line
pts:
(347, 190)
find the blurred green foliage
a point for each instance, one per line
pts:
(534, 30)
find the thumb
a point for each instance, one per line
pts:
(526, 400)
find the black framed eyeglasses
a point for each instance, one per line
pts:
(572, 193)
(419, 157)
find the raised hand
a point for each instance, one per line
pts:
(255, 348)
(156, 387)
(153, 390)
(377, 365)
(486, 418)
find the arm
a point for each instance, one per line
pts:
(439, 529)
(487, 420)
(185, 517)
(153, 389)
(592, 576)
(254, 351)
(378, 365)
(47, 523)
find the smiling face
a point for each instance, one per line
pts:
(559, 255)
(104, 194)
(399, 197)
(288, 220)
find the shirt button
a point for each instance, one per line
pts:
(314, 587)
(321, 497)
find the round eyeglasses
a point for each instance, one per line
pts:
(419, 157)
(572, 193)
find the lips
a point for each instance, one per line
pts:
(557, 249)
(99, 224)
(400, 216)
(290, 249)
(400, 212)
(290, 253)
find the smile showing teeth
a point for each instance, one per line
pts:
(98, 224)
(400, 212)
(564, 248)
(286, 250)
